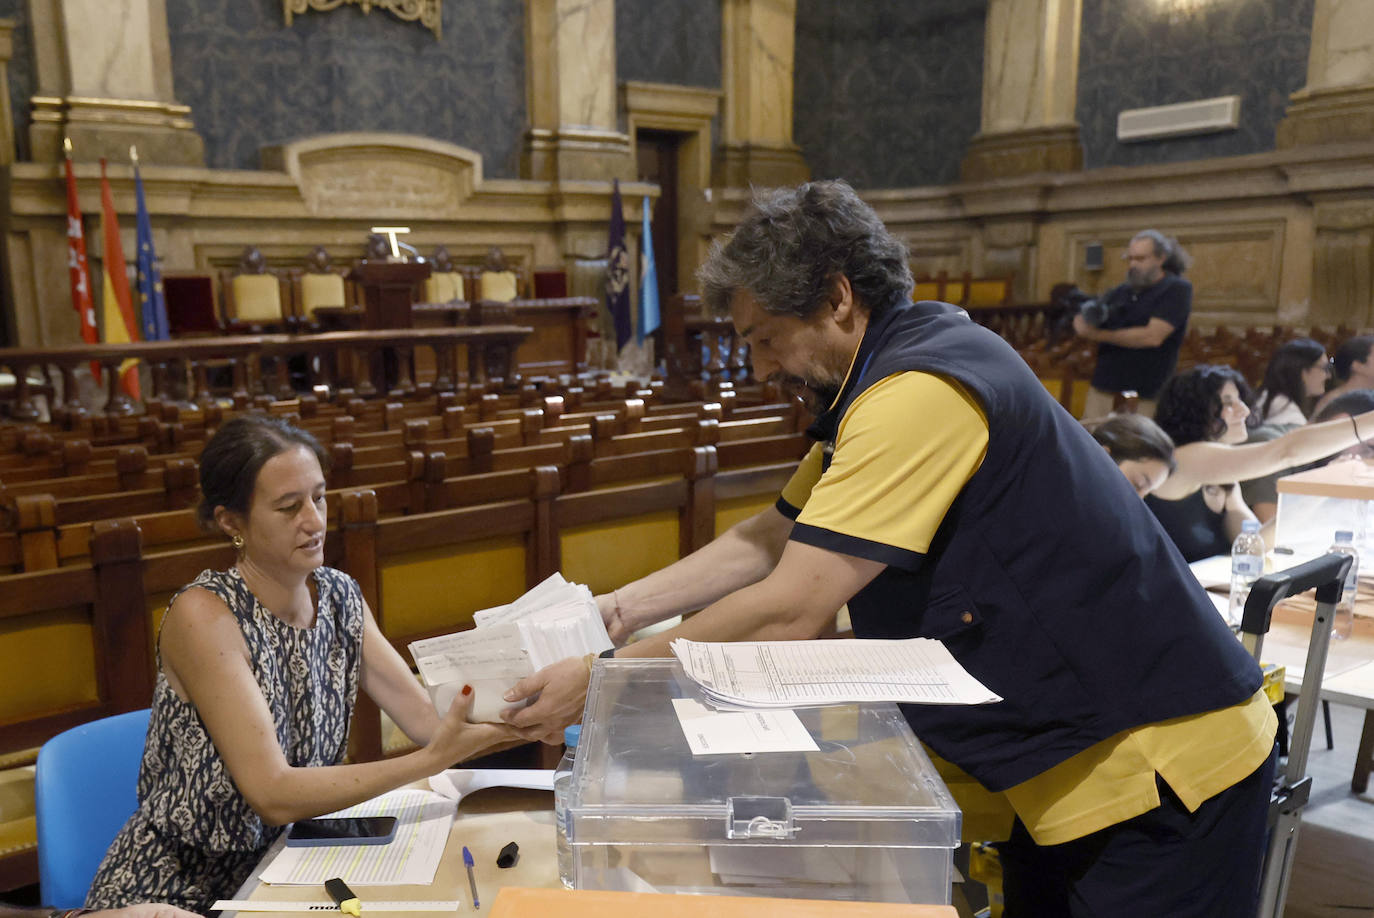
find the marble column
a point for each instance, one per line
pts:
(571, 93)
(104, 70)
(1030, 91)
(1342, 261)
(1337, 107)
(1337, 104)
(757, 39)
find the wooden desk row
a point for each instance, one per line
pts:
(347, 353)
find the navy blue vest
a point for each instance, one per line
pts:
(1048, 578)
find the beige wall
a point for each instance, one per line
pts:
(328, 192)
(1282, 237)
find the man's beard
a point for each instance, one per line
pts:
(816, 395)
(1137, 279)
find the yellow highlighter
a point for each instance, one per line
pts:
(343, 897)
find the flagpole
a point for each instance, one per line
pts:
(152, 304)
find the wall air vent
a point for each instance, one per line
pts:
(1205, 116)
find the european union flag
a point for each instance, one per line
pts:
(648, 281)
(152, 306)
(618, 272)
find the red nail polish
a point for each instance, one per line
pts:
(467, 690)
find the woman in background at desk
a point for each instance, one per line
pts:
(259, 668)
(1294, 380)
(1203, 411)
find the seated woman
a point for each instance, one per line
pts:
(1145, 455)
(1293, 381)
(1204, 411)
(1143, 452)
(259, 667)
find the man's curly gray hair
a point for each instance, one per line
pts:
(794, 242)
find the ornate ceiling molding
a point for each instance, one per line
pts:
(429, 13)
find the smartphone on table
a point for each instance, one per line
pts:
(356, 830)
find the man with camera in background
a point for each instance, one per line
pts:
(1140, 325)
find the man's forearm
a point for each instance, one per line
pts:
(797, 601)
(744, 554)
(749, 614)
(1140, 336)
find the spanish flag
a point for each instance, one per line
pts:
(116, 307)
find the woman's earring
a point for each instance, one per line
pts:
(237, 542)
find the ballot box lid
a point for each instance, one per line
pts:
(637, 780)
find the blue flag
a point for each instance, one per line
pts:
(618, 272)
(648, 281)
(152, 306)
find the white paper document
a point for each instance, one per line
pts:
(553, 621)
(790, 674)
(457, 783)
(423, 820)
(717, 733)
(1212, 572)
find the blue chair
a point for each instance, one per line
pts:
(85, 789)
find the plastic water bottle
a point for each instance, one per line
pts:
(1247, 563)
(1344, 620)
(562, 784)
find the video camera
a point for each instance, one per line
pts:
(1093, 310)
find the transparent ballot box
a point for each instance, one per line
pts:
(864, 818)
(1314, 504)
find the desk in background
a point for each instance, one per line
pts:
(1347, 679)
(1349, 674)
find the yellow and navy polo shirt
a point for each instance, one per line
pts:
(888, 487)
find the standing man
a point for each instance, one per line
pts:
(1147, 318)
(949, 497)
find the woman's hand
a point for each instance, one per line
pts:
(562, 694)
(456, 740)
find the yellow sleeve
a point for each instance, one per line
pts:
(798, 487)
(905, 449)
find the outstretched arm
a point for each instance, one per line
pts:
(743, 554)
(207, 662)
(797, 601)
(388, 681)
(1205, 463)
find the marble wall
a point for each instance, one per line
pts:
(1134, 55)
(668, 41)
(887, 93)
(21, 75)
(251, 81)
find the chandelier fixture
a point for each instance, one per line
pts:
(429, 13)
(1179, 11)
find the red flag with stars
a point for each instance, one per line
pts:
(77, 268)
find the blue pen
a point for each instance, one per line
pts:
(472, 880)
